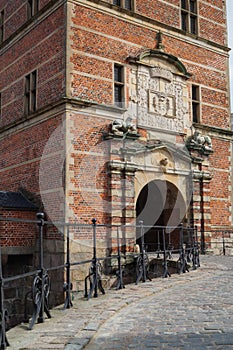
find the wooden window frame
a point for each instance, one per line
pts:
(32, 8)
(126, 4)
(196, 103)
(30, 93)
(2, 17)
(119, 85)
(189, 16)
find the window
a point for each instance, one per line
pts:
(30, 93)
(1, 26)
(118, 85)
(196, 103)
(127, 4)
(189, 16)
(32, 7)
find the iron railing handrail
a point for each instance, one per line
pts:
(41, 280)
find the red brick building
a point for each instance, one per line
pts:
(119, 110)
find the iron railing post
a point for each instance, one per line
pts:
(166, 273)
(182, 269)
(94, 260)
(194, 248)
(189, 244)
(197, 252)
(3, 312)
(68, 284)
(142, 266)
(143, 252)
(40, 217)
(158, 246)
(94, 275)
(182, 259)
(120, 284)
(223, 243)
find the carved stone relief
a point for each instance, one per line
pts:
(161, 97)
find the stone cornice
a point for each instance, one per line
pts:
(214, 129)
(202, 175)
(44, 113)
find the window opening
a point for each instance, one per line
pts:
(32, 7)
(196, 103)
(118, 85)
(1, 26)
(189, 16)
(30, 93)
(127, 4)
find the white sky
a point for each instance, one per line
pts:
(229, 4)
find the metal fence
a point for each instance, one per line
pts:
(163, 244)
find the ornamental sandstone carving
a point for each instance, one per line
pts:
(121, 127)
(162, 99)
(200, 143)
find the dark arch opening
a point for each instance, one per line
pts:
(159, 203)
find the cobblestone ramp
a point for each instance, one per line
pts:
(188, 311)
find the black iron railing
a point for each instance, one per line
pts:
(164, 244)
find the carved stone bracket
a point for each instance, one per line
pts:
(122, 129)
(199, 143)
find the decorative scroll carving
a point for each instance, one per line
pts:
(159, 72)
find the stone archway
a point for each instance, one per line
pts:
(160, 203)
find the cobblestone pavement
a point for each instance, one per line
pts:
(188, 311)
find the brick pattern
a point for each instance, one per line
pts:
(26, 147)
(210, 19)
(105, 49)
(220, 190)
(88, 184)
(13, 234)
(166, 12)
(35, 51)
(16, 15)
(97, 37)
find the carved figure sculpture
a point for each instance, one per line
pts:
(121, 127)
(201, 141)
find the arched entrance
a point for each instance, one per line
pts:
(159, 203)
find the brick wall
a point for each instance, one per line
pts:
(115, 43)
(17, 234)
(15, 13)
(220, 189)
(21, 155)
(97, 37)
(41, 49)
(211, 16)
(100, 38)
